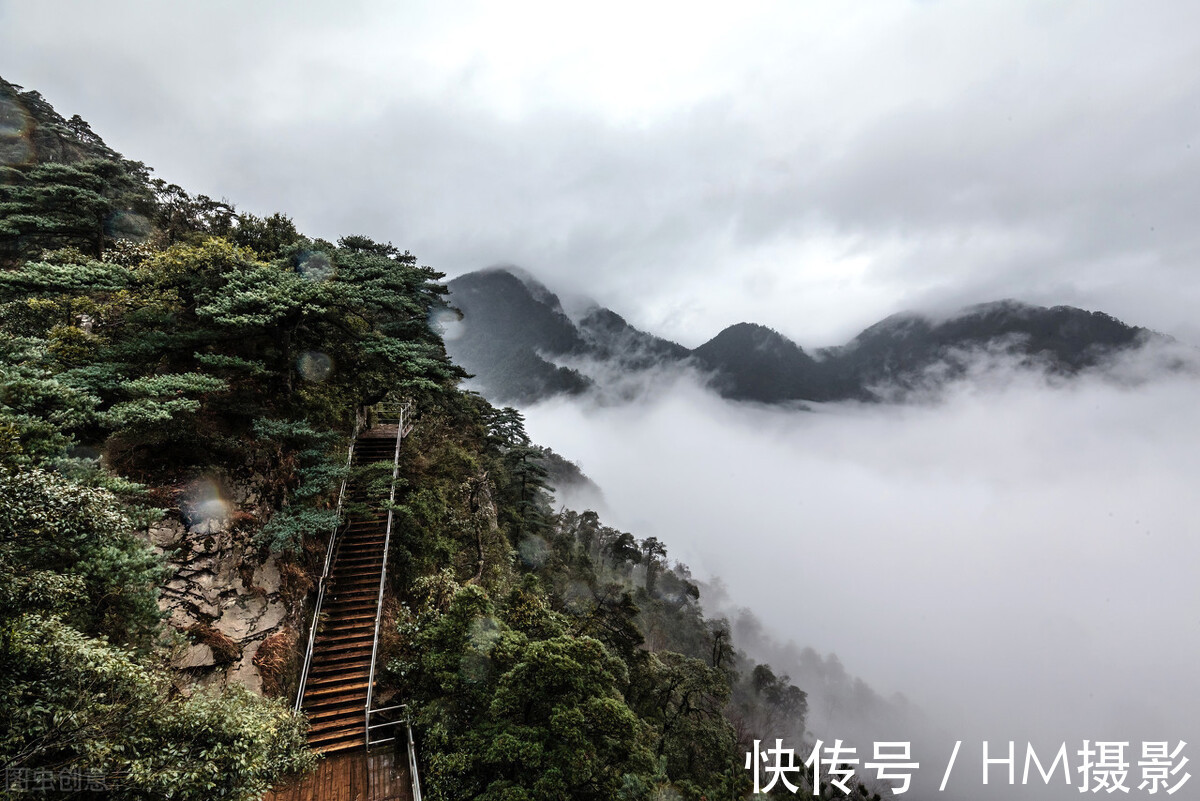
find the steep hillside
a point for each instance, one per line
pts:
(176, 404)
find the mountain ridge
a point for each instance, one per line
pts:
(522, 347)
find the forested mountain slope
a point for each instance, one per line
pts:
(177, 383)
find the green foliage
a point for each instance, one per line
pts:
(64, 185)
(58, 534)
(510, 717)
(182, 350)
(75, 585)
(79, 703)
(288, 528)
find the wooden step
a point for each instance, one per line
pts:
(341, 665)
(373, 533)
(356, 568)
(350, 689)
(353, 593)
(338, 610)
(359, 560)
(348, 645)
(362, 556)
(365, 535)
(342, 740)
(364, 543)
(365, 548)
(357, 572)
(367, 587)
(337, 607)
(365, 625)
(357, 579)
(348, 660)
(332, 713)
(337, 666)
(339, 677)
(365, 583)
(338, 646)
(362, 625)
(338, 659)
(342, 602)
(341, 705)
(346, 720)
(344, 590)
(364, 560)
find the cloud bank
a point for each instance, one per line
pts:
(1017, 558)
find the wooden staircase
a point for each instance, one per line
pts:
(335, 694)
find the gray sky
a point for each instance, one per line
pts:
(812, 166)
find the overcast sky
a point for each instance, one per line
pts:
(809, 165)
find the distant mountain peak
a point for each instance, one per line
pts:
(512, 327)
(536, 289)
(1004, 306)
(755, 335)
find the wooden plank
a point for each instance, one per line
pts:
(378, 779)
(360, 783)
(327, 784)
(341, 778)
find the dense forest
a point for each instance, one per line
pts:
(152, 337)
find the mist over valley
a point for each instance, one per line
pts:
(995, 547)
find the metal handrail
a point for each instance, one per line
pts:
(359, 419)
(412, 760)
(413, 772)
(387, 539)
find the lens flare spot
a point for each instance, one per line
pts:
(202, 506)
(127, 225)
(447, 323)
(475, 668)
(578, 597)
(15, 147)
(314, 365)
(484, 633)
(315, 266)
(533, 551)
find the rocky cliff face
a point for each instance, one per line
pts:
(239, 610)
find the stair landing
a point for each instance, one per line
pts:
(356, 776)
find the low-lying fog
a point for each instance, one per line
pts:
(1017, 559)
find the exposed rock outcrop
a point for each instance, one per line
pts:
(227, 596)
